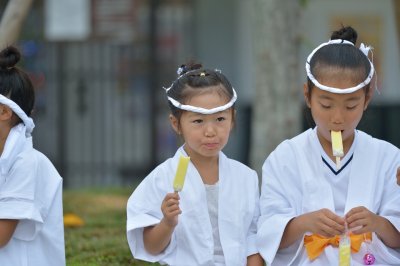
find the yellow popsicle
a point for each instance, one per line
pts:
(181, 173)
(344, 251)
(337, 146)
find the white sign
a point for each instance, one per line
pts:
(67, 20)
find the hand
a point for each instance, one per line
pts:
(325, 223)
(170, 209)
(360, 220)
(398, 176)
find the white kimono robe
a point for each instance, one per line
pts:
(292, 185)
(31, 192)
(192, 240)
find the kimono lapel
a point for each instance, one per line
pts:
(362, 181)
(317, 191)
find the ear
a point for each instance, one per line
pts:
(174, 123)
(5, 112)
(307, 95)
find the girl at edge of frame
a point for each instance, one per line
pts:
(213, 220)
(31, 213)
(307, 203)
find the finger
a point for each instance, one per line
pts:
(334, 217)
(351, 218)
(171, 202)
(172, 208)
(173, 213)
(358, 230)
(328, 231)
(173, 195)
(355, 210)
(330, 227)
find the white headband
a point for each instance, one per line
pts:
(204, 111)
(20, 113)
(363, 48)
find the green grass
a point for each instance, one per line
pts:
(102, 240)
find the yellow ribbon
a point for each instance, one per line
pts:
(315, 244)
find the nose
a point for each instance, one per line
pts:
(337, 117)
(209, 130)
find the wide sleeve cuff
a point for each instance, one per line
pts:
(135, 226)
(252, 245)
(30, 219)
(269, 236)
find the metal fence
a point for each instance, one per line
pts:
(100, 110)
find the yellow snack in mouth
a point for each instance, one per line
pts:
(337, 146)
(181, 173)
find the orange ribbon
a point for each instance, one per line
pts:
(315, 244)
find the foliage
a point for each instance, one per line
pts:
(102, 239)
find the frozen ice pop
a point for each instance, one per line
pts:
(337, 146)
(344, 251)
(181, 173)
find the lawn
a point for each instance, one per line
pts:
(101, 241)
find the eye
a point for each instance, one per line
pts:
(221, 118)
(325, 106)
(351, 107)
(197, 121)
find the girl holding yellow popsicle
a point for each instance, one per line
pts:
(332, 175)
(199, 207)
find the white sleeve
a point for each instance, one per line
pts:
(17, 199)
(144, 209)
(279, 196)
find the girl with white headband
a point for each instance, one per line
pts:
(213, 220)
(31, 221)
(307, 203)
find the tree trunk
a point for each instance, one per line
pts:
(278, 100)
(12, 20)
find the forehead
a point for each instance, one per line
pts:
(340, 78)
(321, 94)
(208, 99)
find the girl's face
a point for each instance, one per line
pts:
(338, 112)
(204, 135)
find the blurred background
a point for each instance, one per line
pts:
(101, 114)
(99, 67)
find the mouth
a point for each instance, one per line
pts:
(211, 145)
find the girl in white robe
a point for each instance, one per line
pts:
(306, 202)
(213, 220)
(31, 219)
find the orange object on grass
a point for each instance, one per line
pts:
(72, 220)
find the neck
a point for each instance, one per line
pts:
(208, 167)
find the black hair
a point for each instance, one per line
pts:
(14, 82)
(341, 56)
(194, 79)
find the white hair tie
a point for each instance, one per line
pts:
(201, 110)
(20, 113)
(364, 49)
